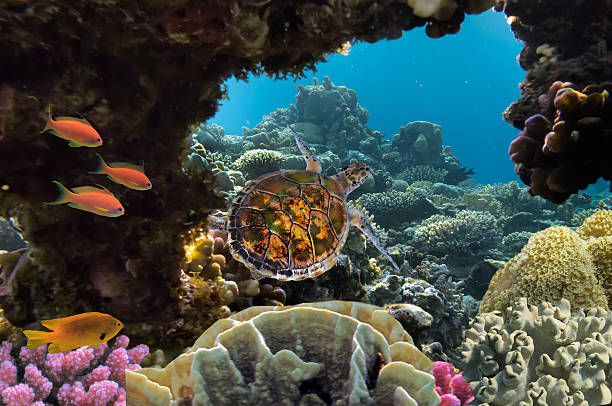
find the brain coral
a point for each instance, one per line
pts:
(314, 354)
(558, 263)
(540, 356)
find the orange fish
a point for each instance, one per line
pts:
(89, 198)
(124, 173)
(78, 131)
(68, 333)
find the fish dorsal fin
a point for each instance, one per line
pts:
(78, 120)
(126, 165)
(91, 189)
(53, 324)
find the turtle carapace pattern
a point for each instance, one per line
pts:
(291, 225)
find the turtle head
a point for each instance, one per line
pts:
(353, 176)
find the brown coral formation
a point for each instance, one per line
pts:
(318, 353)
(564, 41)
(558, 263)
(558, 158)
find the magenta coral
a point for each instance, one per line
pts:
(83, 377)
(451, 387)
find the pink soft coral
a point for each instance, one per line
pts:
(454, 391)
(83, 377)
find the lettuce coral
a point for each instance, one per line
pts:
(316, 353)
(558, 263)
(542, 355)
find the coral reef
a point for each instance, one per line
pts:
(435, 294)
(466, 236)
(421, 141)
(393, 207)
(310, 354)
(582, 122)
(540, 355)
(558, 263)
(143, 104)
(82, 377)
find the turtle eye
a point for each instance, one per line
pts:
(98, 139)
(148, 183)
(102, 336)
(120, 209)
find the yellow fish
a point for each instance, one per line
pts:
(68, 333)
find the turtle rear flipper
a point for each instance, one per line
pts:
(312, 163)
(361, 221)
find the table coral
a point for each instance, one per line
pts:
(558, 263)
(542, 355)
(556, 159)
(314, 353)
(82, 377)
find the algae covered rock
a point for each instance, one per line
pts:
(340, 352)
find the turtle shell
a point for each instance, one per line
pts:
(288, 225)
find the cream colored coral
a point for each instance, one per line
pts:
(352, 353)
(557, 263)
(598, 224)
(540, 355)
(443, 10)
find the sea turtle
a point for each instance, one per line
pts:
(291, 225)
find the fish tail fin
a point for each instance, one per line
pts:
(102, 166)
(49, 125)
(36, 338)
(65, 195)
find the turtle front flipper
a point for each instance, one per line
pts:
(312, 163)
(361, 221)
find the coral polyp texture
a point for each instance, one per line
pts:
(316, 353)
(542, 355)
(558, 155)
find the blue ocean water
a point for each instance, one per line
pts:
(462, 82)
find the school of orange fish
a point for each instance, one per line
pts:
(92, 328)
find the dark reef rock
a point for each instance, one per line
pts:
(565, 41)
(567, 147)
(142, 72)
